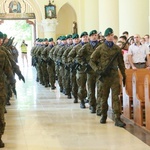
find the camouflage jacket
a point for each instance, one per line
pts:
(5, 72)
(103, 54)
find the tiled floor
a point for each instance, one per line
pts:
(41, 119)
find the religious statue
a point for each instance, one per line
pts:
(74, 27)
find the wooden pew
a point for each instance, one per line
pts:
(127, 95)
(147, 100)
(138, 95)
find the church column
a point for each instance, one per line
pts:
(49, 28)
(134, 16)
(89, 15)
(108, 15)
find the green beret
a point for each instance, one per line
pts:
(83, 34)
(59, 38)
(1, 35)
(69, 36)
(75, 36)
(63, 38)
(37, 39)
(4, 36)
(45, 39)
(50, 40)
(92, 32)
(40, 40)
(108, 31)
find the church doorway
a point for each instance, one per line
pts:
(19, 30)
(18, 20)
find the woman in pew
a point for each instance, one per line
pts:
(138, 54)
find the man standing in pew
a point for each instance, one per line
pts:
(138, 54)
(109, 54)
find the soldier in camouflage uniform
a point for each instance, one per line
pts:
(67, 67)
(7, 43)
(61, 79)
(81, 76)
(5, 71)
(72, 73)
(44, 63)
(98, 61)
(52, 55)
(15, 53)
(73, 78)
(83, 58)
(33, 61)
(50, 63)
(62, 40)
(34, 58)
(39, 60)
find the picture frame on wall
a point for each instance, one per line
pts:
(50, 11)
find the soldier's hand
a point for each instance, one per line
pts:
(21, 77)
(14, 91)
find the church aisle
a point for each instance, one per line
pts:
(42, 119)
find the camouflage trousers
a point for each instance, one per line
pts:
(91, 83)
(61, 80)
(44, 73)
(51, 73)
(2, 108)
(37, 70)
(113, 83)
(99, 88)
(81, 82)
(40, 73)
(67, 82)
(57, 69)
(74, 84)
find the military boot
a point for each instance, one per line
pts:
(103, 119)
(61, 90)
(93, 109)
(118, 121)
(37, 79)
(8, 102)
(1, 142)
(64, 92)
(82, 104)
(69, 96)
(53, 87)
(98, 112)
(46, 85)
(75, 100)
(5, 111)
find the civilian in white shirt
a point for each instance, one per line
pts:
(138, 54)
